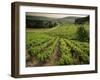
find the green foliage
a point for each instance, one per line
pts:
(66, 57)
(40, 23)
(79, 51)
(34, 50)
(42, 52)
(44, 55)
(82, 34)
(72, 39)
(64, 31)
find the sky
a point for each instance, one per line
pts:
(52, 15)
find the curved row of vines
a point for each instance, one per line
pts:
(42, 50)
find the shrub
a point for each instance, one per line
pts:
(82, 34)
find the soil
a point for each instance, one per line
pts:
(52, 61)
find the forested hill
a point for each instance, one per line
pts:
(47, 22)
(82, 20)
(40, 22)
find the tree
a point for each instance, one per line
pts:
(82, 34)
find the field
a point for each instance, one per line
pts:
(64, 44)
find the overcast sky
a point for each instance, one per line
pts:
(55, 15)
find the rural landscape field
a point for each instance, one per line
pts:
(56, 39)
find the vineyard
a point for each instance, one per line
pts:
(58, 46)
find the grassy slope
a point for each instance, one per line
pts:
(64, 31)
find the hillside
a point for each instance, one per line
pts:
(47, 22)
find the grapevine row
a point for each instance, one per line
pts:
(37, 49)
(83, 46)
(33, 43)
(83, 57)
(45, 54)
(66, 57)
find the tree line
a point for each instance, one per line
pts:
(40, 23)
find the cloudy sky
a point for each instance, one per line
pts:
(51, 15)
